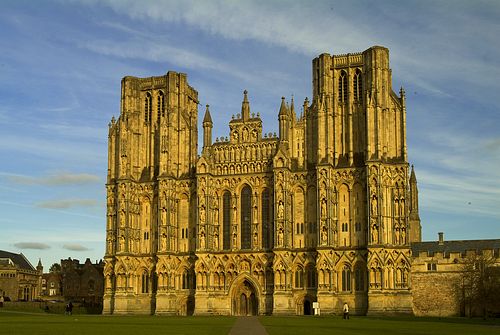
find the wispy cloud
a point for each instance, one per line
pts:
(67, 203)
(263, 21)
(159, 52)
(75, 247)
(454, 176)
(32, 245)
(56, 179)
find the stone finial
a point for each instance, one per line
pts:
(208, 117)
(245, 107)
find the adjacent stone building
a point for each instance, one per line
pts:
(75, 282)
(438, 275)
(52, 285)
(259, 223)
(19, 280)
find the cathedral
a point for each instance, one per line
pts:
(321, 214)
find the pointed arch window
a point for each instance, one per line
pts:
(226, 220)
(246, 217)
(185, 279)
(299, 277)
(358, 86)
(145, 282)
(161, 105)
(148, 107)
(346, 279)
(343, 87)
(311, 276)
(359, 279)
(267, 226)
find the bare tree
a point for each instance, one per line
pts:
(479, 286)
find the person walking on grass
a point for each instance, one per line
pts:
(346, 311)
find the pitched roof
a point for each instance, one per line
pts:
(454, 246)
(18, 259)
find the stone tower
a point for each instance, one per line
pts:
(151, 163)
(259, 223)
(358, 147)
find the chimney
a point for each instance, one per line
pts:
(441, 238)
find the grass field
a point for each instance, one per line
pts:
(379, 326)
(20, 323)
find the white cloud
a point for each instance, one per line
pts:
(458, 173)
(75, 247)
(279, 23)
(67, 203)
(32, 245)
(56, 179)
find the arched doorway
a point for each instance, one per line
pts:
(307, 307)
(245, 300)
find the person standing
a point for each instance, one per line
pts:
(346, 311)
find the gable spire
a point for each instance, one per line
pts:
(245, 107)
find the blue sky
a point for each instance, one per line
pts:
(61, 63)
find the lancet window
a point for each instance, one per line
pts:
(343, 87)
(346, 279)
(145, 282)
(246, 219)
(299, 277)
(359, 279)
(358, 86)
(148, 107)
(161, 105)
(267, 229)
(226, 220)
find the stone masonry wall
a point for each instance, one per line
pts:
(435, 293)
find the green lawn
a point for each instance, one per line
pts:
(20, 323)
(17, 323)
(379, 326)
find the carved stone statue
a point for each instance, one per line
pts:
(324, 235)
(373, 205)
(374, 234)
(216, 241)
(216, 215)
(281, 210)
(202, 214)
(323, 208)
(280, 236)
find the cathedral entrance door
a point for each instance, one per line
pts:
(307, 307)
(245, 300)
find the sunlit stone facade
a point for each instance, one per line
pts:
(259, 223)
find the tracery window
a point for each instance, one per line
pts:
(346, 279)
(145, 282)
(188, 279)
(161, 105)
(358, 86)
(299, 277)
(359, 279)
(246, 217)
(343, 87)
(148, 107)
(226, 220)
(311, 276)
(267, 229)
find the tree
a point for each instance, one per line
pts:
(54, 268)
(479, 285)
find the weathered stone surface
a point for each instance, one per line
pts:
(262, 223)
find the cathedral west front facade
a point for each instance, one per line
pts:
(324, 211)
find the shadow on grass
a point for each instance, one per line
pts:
(379, 325)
